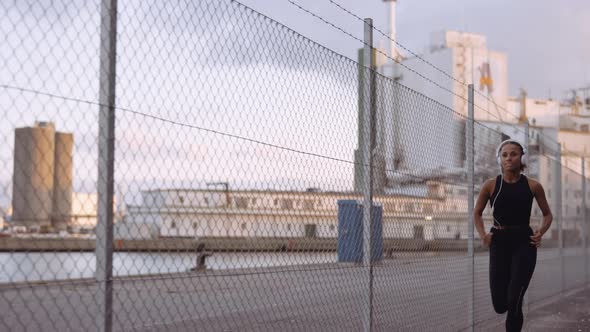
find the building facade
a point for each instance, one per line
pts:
(283, 214)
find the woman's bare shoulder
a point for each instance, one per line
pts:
(534, 184)
(489, 185)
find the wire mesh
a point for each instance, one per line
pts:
(424, 212)
(238, 180)
(572, 228)
(233, 155)
(487, 137)
(48, 97)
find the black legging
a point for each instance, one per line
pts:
(512, 263)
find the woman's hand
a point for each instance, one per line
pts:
(487, 240)
(536, 239)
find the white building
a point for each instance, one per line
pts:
(283, 214)
(425, 136)
(466, 58)
(567, 124)
(84, 210)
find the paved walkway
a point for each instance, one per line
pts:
(410, 294)
(571, 313)
(568, 313)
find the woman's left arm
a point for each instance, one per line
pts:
(539, 193)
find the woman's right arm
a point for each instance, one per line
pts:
(480, 205)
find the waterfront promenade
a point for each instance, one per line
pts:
(410, 293)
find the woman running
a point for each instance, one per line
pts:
(513, 244)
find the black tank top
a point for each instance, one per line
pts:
(513, 205)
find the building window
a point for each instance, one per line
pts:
(448, 228)
(181, 199)
(172, 224)
(417, 207)
(288, 227)
(241, 202)
(308, 204)
(243, 225)
(287, 204)
(195, 225)
(276, 201)
(332, 227)
(206, 201)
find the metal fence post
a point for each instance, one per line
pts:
(558, 201)
(527, 142)
(584, 225)
(105, 185)
(470, 204)
(368, 118)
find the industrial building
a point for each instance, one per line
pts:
(421, 198)
(425, 137)
(271, 213)
(42, 178)
(420, 141)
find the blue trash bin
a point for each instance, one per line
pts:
(350, 231)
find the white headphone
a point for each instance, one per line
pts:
(522, 148)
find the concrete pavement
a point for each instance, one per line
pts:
(569, 313)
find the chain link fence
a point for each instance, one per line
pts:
(218, 180)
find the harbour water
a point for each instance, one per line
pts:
(35, 266)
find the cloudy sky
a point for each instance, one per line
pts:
(208, 91)
(546, 41)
